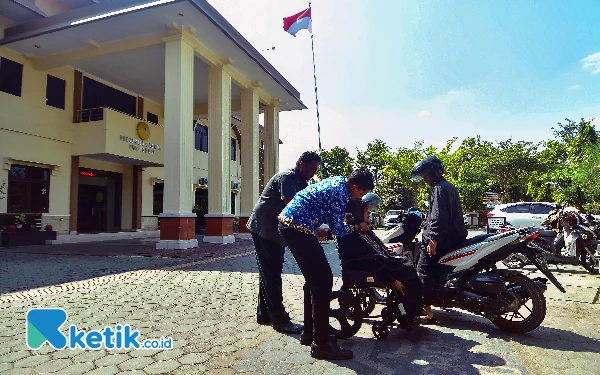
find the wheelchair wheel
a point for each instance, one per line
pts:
(380, 331)
(365, 298)
(345, 314)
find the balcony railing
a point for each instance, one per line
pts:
(88, 115)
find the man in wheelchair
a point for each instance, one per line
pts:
(363, 251)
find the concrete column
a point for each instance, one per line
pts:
(219, 220)
(74, 194)
(271, 141)
(250, 163)
(177, 222)
(136, 215)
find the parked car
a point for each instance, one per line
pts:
(523, 214)
(391, 215)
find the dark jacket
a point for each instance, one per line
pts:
(281, 187)
(444, 221)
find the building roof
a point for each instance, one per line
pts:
(56, 34)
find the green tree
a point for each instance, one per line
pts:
(335, 162)
(374, 158)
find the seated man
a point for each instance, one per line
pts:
(397, 271)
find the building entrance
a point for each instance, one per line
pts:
(99, 201)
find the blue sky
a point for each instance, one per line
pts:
(404, 70)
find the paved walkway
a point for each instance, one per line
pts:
(205, 300)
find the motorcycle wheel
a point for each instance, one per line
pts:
(531, 300)
(588, 260)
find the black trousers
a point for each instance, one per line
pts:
(428, 267)
(318, 280)
(269, 257)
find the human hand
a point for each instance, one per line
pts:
(431, 247)
(321, 234)
(399, 287)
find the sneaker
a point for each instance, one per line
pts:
(288, 327)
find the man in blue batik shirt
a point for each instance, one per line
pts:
(300, 221)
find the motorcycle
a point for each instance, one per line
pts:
(569, 238)
(469, 279)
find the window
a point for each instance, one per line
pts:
(11, 76)
(541, 209)
(233, 149)
(152, 118)
(201, 137)
(55, 92)
(99, 95)
(157, 199)
(233, 203)
(517, 209)
(28, 189)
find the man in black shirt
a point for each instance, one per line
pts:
(269, 245)
(444, 227)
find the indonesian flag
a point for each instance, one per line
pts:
(297, 22)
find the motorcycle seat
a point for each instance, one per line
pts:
(474, 240)
(547, 233)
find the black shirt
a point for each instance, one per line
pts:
(282, 186)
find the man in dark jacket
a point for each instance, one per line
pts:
(268, 243)
(444, 228)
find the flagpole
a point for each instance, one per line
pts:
(312, 43)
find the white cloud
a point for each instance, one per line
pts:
(592, 62)
(424, 114)
(575, 87)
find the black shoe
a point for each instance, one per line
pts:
(306, 338)
(288, 327)
(329, 350)
(263, 321)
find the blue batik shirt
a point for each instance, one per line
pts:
(317, 204)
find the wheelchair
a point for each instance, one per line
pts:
(362, 290)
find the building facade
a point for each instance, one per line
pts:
(115, 115)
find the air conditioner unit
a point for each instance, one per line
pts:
(203, 181)
(235, 185)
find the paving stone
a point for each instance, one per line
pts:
(77, 368)
(169, 354)
(132, 372)
(249, 365)
(19, 371)
(143, 353)
(224, 340)
(112, 359)
(222, 371)
(90, 356)
(5, 366)
(301, 358)
(223, 349)
(32, 360)
(308, 370)
(13, 356)
(194, 358)
(221, 362)
(56, 365)
(278, 368)
(136, 363)
(275, 355)
(108, 370)
(190, 369)
(162, 367)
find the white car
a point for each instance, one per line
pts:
(523, 214)
(392, 214)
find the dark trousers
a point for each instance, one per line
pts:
(318, 280)
(428, 267)
(269, 257)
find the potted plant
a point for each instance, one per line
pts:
(20, 221)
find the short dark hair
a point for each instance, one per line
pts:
(308, 157)
(362, 178)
